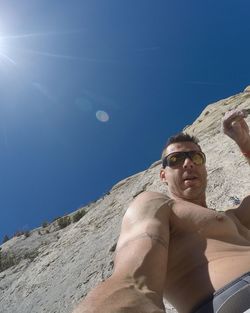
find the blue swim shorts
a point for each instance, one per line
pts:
(232, 298)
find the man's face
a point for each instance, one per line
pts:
(186, 181)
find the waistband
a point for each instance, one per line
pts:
(232, 298)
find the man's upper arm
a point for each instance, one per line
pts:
(243, 212)
(142, 249)
(149, 212)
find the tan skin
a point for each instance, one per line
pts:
(178, 249)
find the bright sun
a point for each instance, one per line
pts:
(4, 52)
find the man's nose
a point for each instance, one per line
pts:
(188, 163)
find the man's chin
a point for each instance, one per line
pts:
(193, 195)
(189, 193)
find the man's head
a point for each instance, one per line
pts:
(183, 168)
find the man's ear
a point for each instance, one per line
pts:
(163, 175)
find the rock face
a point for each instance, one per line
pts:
(57, 267)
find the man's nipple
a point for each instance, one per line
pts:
(219, 217)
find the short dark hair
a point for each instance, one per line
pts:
(180, 137)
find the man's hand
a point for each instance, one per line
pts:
(235, 126)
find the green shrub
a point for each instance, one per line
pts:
(31, 255)
(45, 224)
(7, 260)
(78, 215)
(63, 221)
(19, 233)
(56, 218)
(26, 234)
(5, 238)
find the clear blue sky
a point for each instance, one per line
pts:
(150, 66)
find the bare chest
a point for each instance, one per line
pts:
(208, 223)
(202, 244)
(196, 241)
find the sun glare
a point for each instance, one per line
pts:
(1, 44)
(4, 57)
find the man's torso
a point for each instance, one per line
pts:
(207, 250)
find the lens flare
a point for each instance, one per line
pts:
(102, 116)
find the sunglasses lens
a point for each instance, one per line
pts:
(197, 158)
(176, 159)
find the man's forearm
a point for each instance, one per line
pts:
(117, 296)
(245, 149)
(140, 264)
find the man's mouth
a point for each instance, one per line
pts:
(189, 180)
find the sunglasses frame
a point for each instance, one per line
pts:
(187, 154)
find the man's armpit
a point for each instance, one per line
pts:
(156, 238)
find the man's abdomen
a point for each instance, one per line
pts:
(201, 267)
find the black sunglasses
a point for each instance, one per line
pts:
(177, 158)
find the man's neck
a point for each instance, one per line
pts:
(199, 201)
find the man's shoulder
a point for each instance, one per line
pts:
(241, 212)
(148, 203)
(151, 196)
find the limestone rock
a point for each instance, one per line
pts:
(57, 267)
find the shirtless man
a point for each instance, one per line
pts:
(178, 249)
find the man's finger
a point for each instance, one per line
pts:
(232, 116)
